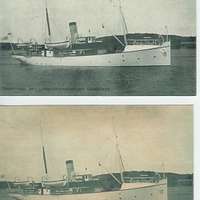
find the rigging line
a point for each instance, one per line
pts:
(110, 173)
(117, 145)
(124, 25)
(124, 22)
(116, 38)
(122, 168)
(123, 18)
(114, 177)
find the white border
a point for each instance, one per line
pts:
(159, 100)
(72, 100)
(197, 114)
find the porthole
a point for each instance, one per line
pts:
(164, 52)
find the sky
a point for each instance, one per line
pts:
(158, 138)
(25, 19)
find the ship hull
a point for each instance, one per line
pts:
(156, 56)
(148, 192)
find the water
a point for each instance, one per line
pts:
(174, 193)
(180, 193)
(176, 80)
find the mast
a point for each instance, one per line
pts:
(43, 152)
(47, 20)
(119, 154)
(45, 161)
(125, 28)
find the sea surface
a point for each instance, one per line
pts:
(179, 79)
(174, 193)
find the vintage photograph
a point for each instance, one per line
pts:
(96, 152)
(98, 48)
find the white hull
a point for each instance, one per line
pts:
(135, 191)
(158, 55)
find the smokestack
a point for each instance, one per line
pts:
(73, 31)
(70, 169)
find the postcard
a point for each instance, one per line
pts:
(98, 48)
(96, 152)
